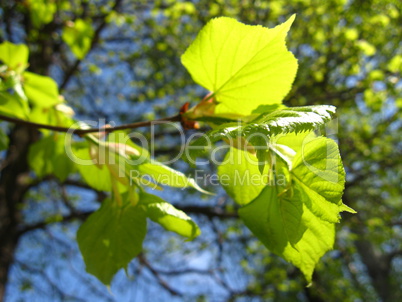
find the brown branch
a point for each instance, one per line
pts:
(154, 272)
(174, 118)
(43, 224)
(207, 211)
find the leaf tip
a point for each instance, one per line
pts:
(345, 208)
(289, 22)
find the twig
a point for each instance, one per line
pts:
(44, 224)
(174, 118)
(154, 272)
(94, 41)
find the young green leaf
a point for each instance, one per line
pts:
(14, 56)
(319, 176)
(168, 216)
(41, 11)
(288, 228)
(240, 177)
(244, 66)
(167, 176)
(299, 223)
(42, 91)
(47, 156)
(12, 105)
(98, 177)
(78, 36)
(111, 237)
(258, 131)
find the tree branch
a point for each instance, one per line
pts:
(43, 224)
(80, 132)
(207, 211)
(154, 272)
(94, 41)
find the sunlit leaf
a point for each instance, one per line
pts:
(47, 156)
(168, 216)
(98, 177)
(244, 66)
(167, 176)
(287, 227)
(78, 36)
(240, 177)
(298, 223)
(259, 131)
(41, 11)
(42, 91)
(12, 105)
(14, 56)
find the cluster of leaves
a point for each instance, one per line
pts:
(104, 163)
(249, 71)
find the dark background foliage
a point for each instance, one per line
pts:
(349, 55)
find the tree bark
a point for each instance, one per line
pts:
(378, 268)
(12, 190)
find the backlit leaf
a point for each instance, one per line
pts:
(299, 223)
(14, 56)
(167, 176)
(244, 66)
(111, 237)
(42, 91)
(259, 131)
(240, 177)
(12, 105)
(78, 36)
(168, 216)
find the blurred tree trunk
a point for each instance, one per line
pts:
(12, 190)
(378, 267)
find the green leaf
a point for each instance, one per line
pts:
(258, 131)
(96, 176)
(121, 137)
(298, 223)
(78, 36)
(244, 66)
(395, 64)
(293, 140)
(367, 48)
(167, 176)
(51, 116)
(42, 91)
(289, 229)
(319, 176)
(239, 175)
(40, 154)
(47, 156)
(3, 140)
(111, 237)
(168, 216)
(12, 105)
(41, 11)
(14, 56)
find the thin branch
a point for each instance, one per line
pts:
(43, 224)
(154, 272)
(94, 41)
(80, 132)
(207, 211)
(55, 286)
